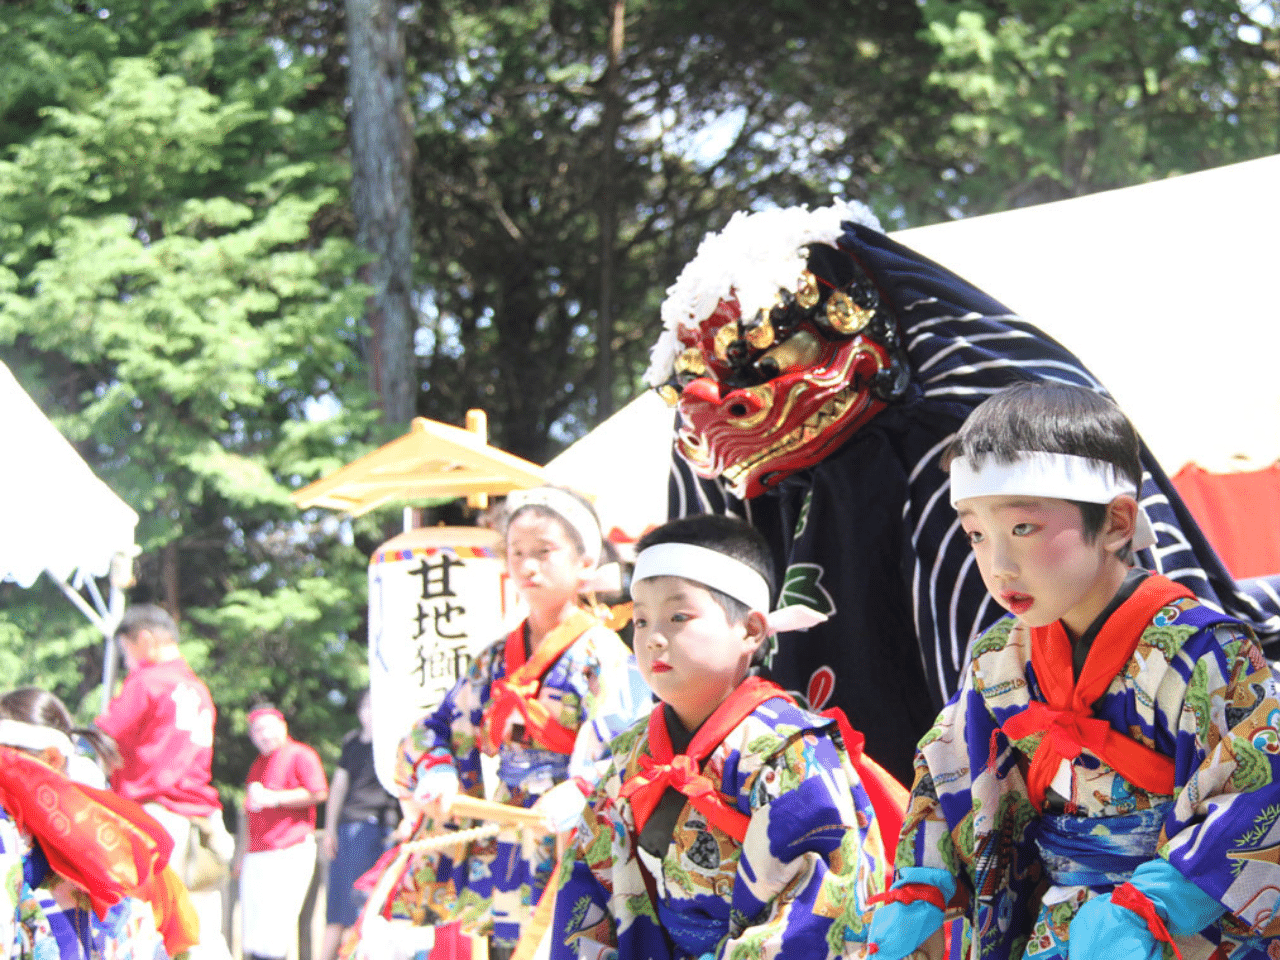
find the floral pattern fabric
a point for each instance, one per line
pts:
(44, 917)
(1197, 689)
(594, 689)
(797, 885)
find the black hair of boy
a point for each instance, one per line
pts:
(724, 534)
(147, 616)
(1052, 418)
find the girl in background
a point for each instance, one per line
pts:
(544, 701)
(83, 873)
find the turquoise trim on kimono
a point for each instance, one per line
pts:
(1098, 851)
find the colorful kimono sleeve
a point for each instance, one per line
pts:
(585, 927)
(10, 887)
(612, 697)
(449, 735)
(927, 838)
(1224, 831)
(807, 869)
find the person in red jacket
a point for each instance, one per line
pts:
(284, 785)
(162, 723)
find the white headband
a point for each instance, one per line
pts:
(1057, 475)
(720, 572)
(28, 736)
(565, 506)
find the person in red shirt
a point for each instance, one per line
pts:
(284, 785)
(162, 723)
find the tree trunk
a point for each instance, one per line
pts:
(608, 212)
(382, 161)
(170, 581)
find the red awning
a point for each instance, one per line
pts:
(1239, 513)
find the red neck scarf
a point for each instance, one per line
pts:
(518, 690)
(662, 768)
(1066, 718)
(105, 845)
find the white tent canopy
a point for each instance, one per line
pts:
(58, 517)
(1159, 289)
(623, 463)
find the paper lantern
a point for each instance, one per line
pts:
(437, 597)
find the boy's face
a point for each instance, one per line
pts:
(543, 561)
(1036, 561)
(689, 653)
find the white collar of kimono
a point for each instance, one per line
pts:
(720, 572)
(565, 506)
(29, 736)
(1057, 475)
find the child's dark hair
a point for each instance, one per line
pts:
(542, 511)
(724, 534)
(42, 709)
(1052, 418)
(147, 616)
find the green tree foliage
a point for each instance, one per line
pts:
(177, 292)
(726, 106)
(926, 111)
(1058, 101)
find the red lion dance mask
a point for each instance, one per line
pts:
(776, 348)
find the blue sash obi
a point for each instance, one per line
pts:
(526, 769)
(1098, 851)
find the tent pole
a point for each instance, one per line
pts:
(121, 576)
(94, 617)
(96, 596)
(115, 610)
(106, 622)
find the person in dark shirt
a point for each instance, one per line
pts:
(359, 817)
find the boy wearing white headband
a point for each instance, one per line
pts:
(544, 700)
(733, 822)
(1107, 779)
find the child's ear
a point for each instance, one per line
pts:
(757, 629)
(1121, 522)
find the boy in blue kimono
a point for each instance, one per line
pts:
(733, 823)
(1105, 780)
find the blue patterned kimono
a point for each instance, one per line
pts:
(1198, 690)
(44, 917)
(595, 689)
(796, 886)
